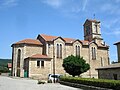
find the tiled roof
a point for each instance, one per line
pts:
(48, 37)
(84, 42)
(67, 40)
(111, 66)
(9, 65)
(92, 20)
(29, 41)
(39, 56)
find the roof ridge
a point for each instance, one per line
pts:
(67, 39)
(49, 35)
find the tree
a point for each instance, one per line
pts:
(75, 65)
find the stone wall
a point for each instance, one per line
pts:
(26, 51)
(109, 73)
(15, 55)
(39, 72)
(118, 51)
(67, 50)
(32, 50)
(85, 52)
(58, 61)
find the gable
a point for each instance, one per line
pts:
(93, 44)
(59, 40)
(77, 42)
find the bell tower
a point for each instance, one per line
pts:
(92, 30)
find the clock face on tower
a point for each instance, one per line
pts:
(87, 30)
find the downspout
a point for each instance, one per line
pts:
(54, 61)
(89, 59)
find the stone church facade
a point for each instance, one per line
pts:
(36, 58)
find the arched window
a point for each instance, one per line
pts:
(60, 50)
(49, 48)
(57, 50)
(96, 29)
(77, 50)
(93, 53)
(18, 58)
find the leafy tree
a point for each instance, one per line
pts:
(75, 65)
(3, 65)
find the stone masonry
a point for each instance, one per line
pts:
(46, 45)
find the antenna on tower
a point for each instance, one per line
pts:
(94, 15)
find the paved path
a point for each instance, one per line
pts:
(7, 83)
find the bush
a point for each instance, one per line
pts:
(49, 81)
(75, 65)
(4, 69)
(112, 84)
(41, 82)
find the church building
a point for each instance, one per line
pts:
(36, 58)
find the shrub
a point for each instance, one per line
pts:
(75, 65)
(49, 81)
(112, 84)
(41, 82)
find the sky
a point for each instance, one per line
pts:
(21, 19)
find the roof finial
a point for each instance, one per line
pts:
(94, 15)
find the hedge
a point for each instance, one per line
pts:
(104, 83)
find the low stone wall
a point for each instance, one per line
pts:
(84, 87)
(5, 74)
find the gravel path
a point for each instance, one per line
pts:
(7, 83)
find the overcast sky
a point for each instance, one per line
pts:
(20, 19)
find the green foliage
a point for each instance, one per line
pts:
(4, 69)
(49, 81)
(3, 62)
(75, 65)
(41, 82)
(104, 83)
(3, 65)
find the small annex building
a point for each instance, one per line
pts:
(111, 71)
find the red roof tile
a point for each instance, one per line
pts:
(9, 65)
(51, 38)
(69, 40)
(40, 56)
(84, 42)
(48, 37)
(29, 41)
